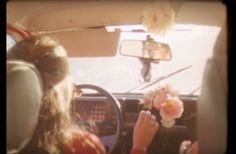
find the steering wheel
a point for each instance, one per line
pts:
(115, 107)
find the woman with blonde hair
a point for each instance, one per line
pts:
(55, 131)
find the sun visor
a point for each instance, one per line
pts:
(203, 13)
(88, 42)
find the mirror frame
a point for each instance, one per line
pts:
(120, 51)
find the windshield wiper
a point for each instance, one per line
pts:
(195, 90)
(158, 79)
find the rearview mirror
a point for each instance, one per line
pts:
(146, 49)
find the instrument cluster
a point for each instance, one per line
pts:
(99, 112)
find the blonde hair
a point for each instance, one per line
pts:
(50, 58)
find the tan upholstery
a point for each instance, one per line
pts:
(24, 93)
(212, 105)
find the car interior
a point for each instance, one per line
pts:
(105, 41)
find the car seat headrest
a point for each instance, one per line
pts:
(212, 104)
(24, 94)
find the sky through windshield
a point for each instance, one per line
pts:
(191, 46)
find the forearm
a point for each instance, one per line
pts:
(137, 151)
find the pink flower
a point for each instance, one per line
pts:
(147, 103)
(170, 90)
(160, 97)
(171, 109)
(164, 98)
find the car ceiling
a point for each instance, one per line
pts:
(80, 25)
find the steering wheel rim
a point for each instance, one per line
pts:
(117, 108)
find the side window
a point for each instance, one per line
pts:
(10, 41)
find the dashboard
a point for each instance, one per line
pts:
(99, 110)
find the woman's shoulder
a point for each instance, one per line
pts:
(84, 142)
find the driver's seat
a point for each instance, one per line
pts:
(24, 93)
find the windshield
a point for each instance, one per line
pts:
(191, 46)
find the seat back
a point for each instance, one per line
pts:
(24, 94)
(212, 104)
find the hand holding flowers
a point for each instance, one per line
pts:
(165, 100)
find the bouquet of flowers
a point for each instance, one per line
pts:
(166, 101)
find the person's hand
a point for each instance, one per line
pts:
(187, 147)
(194, 148)
(144, 130)
(184, 146)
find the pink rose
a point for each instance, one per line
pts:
(171, 109)
(147, 102)
(160, 98)
(170, 90)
